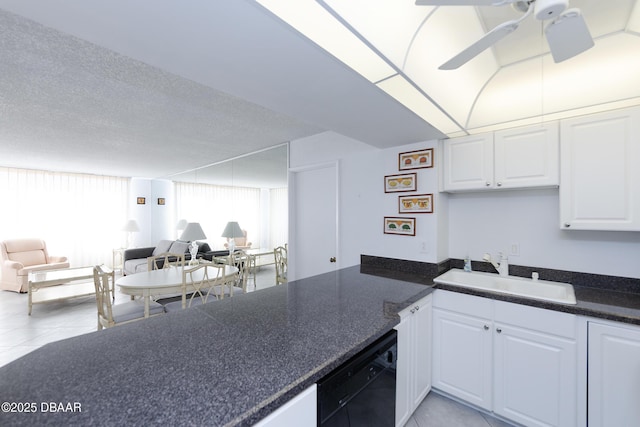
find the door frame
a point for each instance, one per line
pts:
(291, 262)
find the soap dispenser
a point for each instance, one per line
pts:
(467, 264)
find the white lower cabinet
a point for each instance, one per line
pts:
(613, 375)
(413, 370)
(518, 361)
(301, 411)
(463, 347)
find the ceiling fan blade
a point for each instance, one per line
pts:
(568, 35)
(481, 45)
(463, 2)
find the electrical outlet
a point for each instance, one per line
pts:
(515, 249)
(423, 248)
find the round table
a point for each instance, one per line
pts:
(153, 283)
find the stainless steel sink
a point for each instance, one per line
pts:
(528, 288)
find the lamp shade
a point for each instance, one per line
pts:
(131, 226)
(193, 232)
(181, 225)
(232, 230)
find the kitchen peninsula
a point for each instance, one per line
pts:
(231, 362)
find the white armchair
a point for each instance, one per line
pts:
(21, 256)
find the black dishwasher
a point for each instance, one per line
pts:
(362, 392)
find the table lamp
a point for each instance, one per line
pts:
(231, 231)
(191, 233)
(131, 226)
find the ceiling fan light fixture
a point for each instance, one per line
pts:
(549, 9)
(568, 35)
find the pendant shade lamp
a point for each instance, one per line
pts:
(193, 232)
(231, 231)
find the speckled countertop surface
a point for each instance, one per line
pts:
(231, 362)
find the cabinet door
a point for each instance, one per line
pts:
(421, 335)
(614, 375)
(462, 356)
(468, 163)
(527, 157)
(403, 373)
(535, 377)
(299, 411)
(600, 177)
(413, 369)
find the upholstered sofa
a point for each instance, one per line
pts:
(21, 256)
(135, 260)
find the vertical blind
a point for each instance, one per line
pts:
(78, 215)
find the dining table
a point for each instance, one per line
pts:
(167, 281)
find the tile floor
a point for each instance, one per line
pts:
(52, 321)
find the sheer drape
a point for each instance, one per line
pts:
(213, 206)
(279, 217)
(78, 215)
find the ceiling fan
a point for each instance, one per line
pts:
(566, 33)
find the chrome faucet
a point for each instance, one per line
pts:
(502, 267)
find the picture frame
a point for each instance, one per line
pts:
(141, 200)
(417, 159)
(401, 226)
(416, 203)
(400, 183)
(161, 201)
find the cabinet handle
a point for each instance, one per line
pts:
(488, 184)
(498, 330)
(417, 307)
(486, 327)
(499, 184)
(413, 310)
(567, 225)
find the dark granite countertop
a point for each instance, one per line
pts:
(231, 362)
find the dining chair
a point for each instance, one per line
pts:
(204, 283)
(280, 256)
(110, 314)
(242, 261)
(165, 260)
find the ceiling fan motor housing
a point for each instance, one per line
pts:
(549, 9)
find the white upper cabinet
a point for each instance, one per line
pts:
(468, 163)
(600, 177)
(527, 157)
(514, 158)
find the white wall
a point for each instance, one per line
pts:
(493, 221)
(463, 224)
(156, 222)
(363, 203)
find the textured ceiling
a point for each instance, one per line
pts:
(156, 87)
(69, 105)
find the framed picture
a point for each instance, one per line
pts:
(141, 200)
(415, 159)
(161, 200)
(401, 226)
(399, 183)
(419, 203)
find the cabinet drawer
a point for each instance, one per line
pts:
(467, 304)
(547, 321)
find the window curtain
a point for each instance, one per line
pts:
(279, 217)
(213, 206)
(79, 216)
